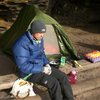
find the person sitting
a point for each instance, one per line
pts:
(29, 55)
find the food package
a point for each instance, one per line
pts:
(93, 56)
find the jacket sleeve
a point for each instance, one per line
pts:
(45, 59)
(23, 59)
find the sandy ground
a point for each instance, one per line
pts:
(85, 39)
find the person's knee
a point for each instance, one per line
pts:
(52, 82)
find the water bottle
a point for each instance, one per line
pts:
(72, 77)
(62, 61)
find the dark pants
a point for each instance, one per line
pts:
(57, 83)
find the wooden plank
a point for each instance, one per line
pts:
(84, 62)
(88, 74)
(37, 97)
(86, 86)
(6, 81)
(89, 95)
(88, 66)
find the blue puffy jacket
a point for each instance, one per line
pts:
(29, 55)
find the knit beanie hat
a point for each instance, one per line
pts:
(37, 27)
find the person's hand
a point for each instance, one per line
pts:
(47, 65)
(47, 69)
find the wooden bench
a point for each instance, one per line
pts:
(6, 82)
(7, 76)
(84, 75)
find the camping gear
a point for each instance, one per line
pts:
(27, 15)
(78, 64)
(93, 56)
(62, 61)
(72, 77)
(22, 88)
(26, 77)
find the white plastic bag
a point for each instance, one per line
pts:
(22, 89)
